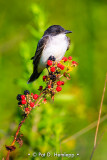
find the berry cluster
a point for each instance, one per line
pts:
(27, 101)
(56, 70)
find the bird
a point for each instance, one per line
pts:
(54, 42)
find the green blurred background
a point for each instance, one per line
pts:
(22, 24)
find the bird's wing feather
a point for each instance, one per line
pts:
(40, 47)
(36, 58)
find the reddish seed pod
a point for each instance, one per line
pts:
(23, 101)
(32, 104)
(49, 62)
(35, 96)
(58, 88)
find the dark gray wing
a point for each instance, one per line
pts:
(36, 58)
(68, 42)
(40, 47)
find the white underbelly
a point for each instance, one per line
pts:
(56, 47)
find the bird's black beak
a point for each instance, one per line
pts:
(66, 31)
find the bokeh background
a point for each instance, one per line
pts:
(22, 24)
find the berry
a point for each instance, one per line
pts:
(27, 109)
(31, 94)
(32, 104)
(18, 97)
(74, 63)
(49, 62)
(59, 83)
(19, 103)
(22, 96)
(45, 100)
(40, 88)
(64, 59)
(44, 78)
(23, 101)
(49, 86)
(58, 88)
(35, 96)
(53, 78)
(62, 82)
(62, 67)
(52, 69)
(58, 65)
(70, 58)
(52, 58)
(26, 92)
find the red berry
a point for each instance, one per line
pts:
(40, 88)
(49, 62)
(64, 59)
(62, 82)
(32, 104)
(27, 109)
(35, 96)
(44, 78)
(23, 101)
(58, 88)
(70, 58)
(22, 97)
(32, 94)
(59, 83)
(45, 100)
(52, 69)
(58, 65)
(74, 63)
(49, 86)
(62, 67)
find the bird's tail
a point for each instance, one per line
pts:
(34, 76)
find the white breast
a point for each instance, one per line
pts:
(56, 46)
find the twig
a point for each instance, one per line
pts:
(20, 124)
(96, 133)
(27, 102)
(15, 137)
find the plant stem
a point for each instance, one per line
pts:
(19, 126)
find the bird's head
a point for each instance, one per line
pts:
(55, 30)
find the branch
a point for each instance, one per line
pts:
(53, 85)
